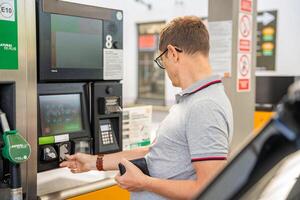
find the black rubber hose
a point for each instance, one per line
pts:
(15, 175)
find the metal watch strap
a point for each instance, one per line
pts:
(99, 162)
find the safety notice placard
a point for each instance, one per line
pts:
(246, 6)
(221, 46)
(112, 64)
(245, 32)
(8, 34)
(244, 72)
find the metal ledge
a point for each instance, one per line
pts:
(62, 184)
(76, 191)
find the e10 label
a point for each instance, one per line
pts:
(7, 9)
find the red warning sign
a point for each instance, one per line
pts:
(246, 5)
(245, 45)
(243, 81)
(244, 72)
(244, 85)
(244, 65)
(245, 32)
(245, 25)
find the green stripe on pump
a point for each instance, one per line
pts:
(46, 140)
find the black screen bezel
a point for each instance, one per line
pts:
(44, 9)
(46, 73)
(62, 89)
(63, 94)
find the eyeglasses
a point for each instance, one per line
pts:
(158, 60)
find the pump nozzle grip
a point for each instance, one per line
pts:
(16, 149)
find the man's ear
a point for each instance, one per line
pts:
(172, 53)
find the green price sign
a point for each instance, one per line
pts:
(8, 34)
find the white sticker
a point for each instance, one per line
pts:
(119, 16)
(7, 10)
(112, 64)
(61, 138)
(220, 54)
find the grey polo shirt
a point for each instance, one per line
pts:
(198, 127)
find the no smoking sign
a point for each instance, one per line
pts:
(244, 72)
(245, 26)
(7, 10)
(245, 32)
(244, 65)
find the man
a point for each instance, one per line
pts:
(192, 142)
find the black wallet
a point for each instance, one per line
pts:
(140, 163)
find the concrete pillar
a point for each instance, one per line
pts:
(243, 102)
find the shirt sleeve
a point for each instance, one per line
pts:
(207, 132)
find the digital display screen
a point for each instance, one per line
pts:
(76, 42)
(105, 127)
(60, 114)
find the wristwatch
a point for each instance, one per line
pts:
(99, 162)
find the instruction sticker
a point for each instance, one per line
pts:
(61, 138)
(112, 64)
(221, 46)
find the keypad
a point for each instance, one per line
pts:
(107, 137)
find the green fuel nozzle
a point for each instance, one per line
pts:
(16, 149)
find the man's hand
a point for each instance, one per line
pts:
(80, 162)
(133, 180)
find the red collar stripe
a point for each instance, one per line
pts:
(209, 158)
(206, 85)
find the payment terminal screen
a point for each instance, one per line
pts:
(60, 114)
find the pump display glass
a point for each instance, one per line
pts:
(75, 42)
(60, 114)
